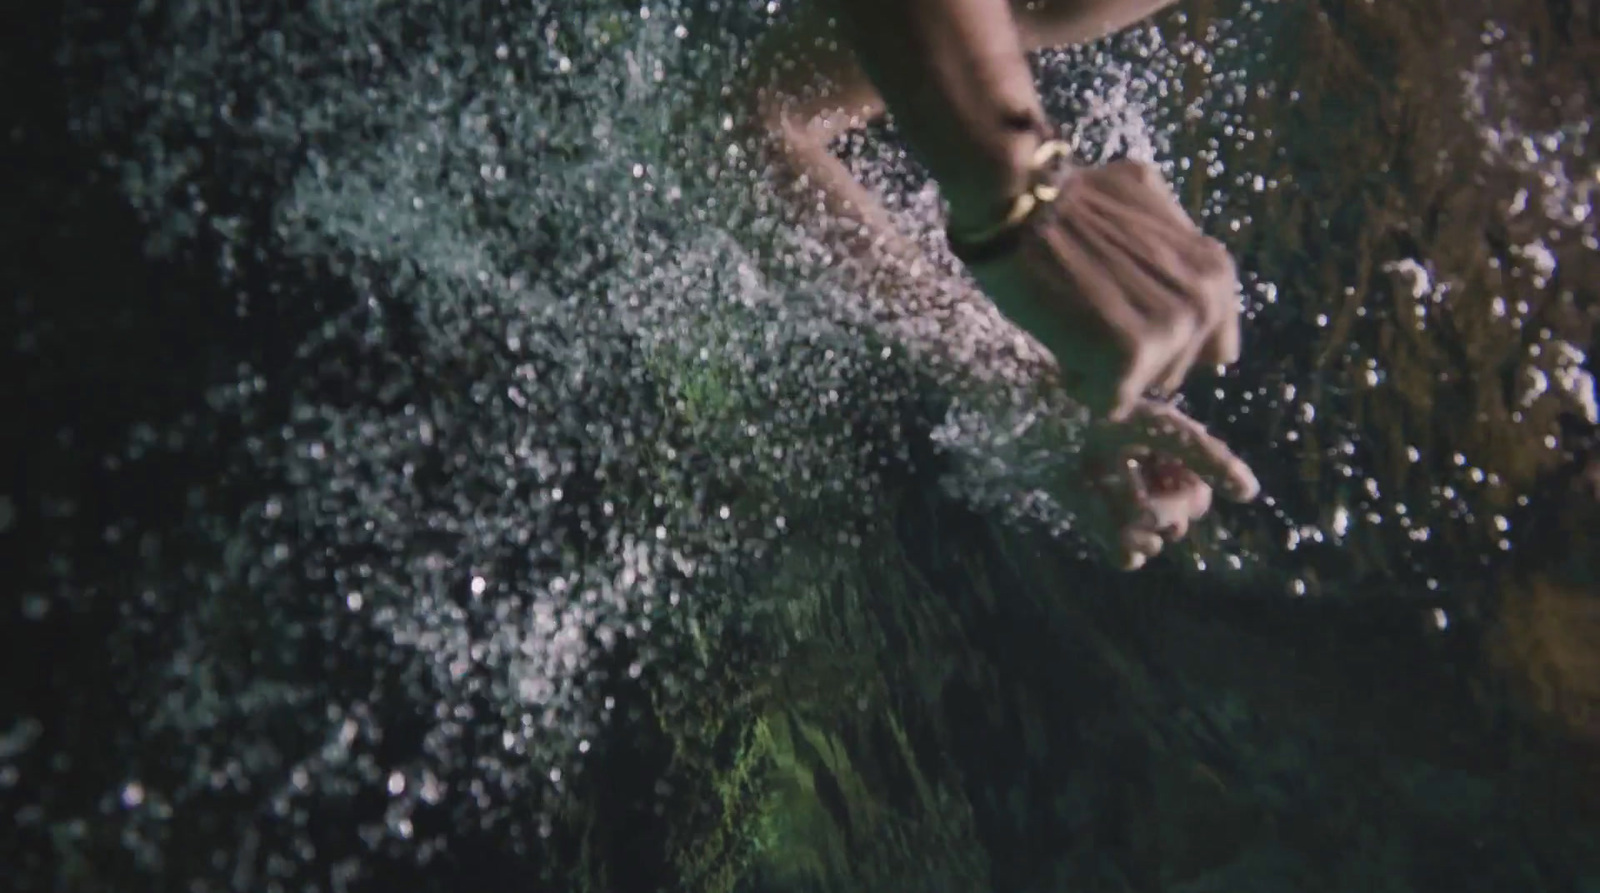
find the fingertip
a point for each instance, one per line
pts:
(1242, 485)
(1127, 399)
(1223, 348)
(1119, 410)
(1175, 531)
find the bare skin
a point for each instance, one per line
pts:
(1118, 284)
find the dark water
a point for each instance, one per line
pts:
(435, 468)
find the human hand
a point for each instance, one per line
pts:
(1116, 281)
(1153, 474)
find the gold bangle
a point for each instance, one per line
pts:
(1042, 190)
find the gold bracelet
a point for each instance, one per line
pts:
(1042, 190)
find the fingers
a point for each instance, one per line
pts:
(1225, 343)
(1181, 285)
(1174, 317)
(1126, 494)
(1142, 186)
(1142, 372)
(1216, 303)
(1122, 287)
(1138, 547)
(1214, 299)
(1222, 339)
(1156, 499)
(1166, 430)
(1102, 315)
(1172, 378)
(1178, 497)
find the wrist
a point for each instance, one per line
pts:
(981, 194)
(980, 240)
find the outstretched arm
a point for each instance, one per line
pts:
(954, 73)
(828, 69)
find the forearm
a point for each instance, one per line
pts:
(821, 189)
(954, 75)
(973, 343)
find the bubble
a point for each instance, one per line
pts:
(20, 738)
(35, 606)
(132, 794)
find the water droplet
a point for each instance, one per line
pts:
(35, 606)
(132, 794)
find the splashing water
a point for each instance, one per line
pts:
(532, 432)
(547, 411)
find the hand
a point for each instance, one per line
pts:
(1121, 286)
(1151, 476)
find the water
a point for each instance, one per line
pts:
(454, 474)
